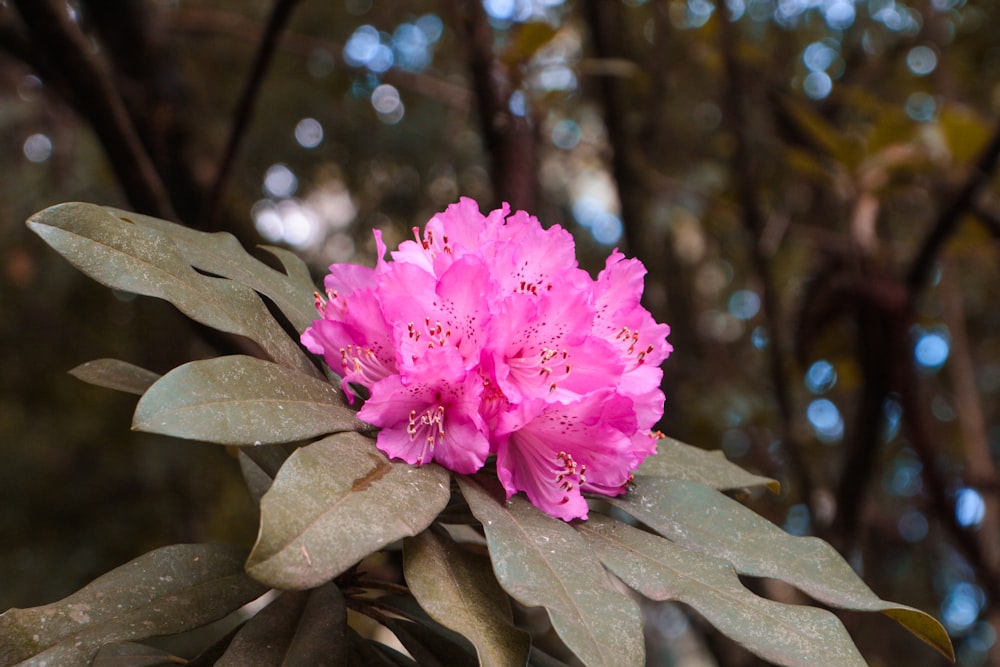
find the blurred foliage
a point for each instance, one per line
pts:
(807, 182)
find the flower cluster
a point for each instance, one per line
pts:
(483, 337)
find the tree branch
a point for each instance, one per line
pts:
(509, 139)
(746, 190)
(60, 47)
(280, 14)
(920, 270)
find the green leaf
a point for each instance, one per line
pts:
(458, 589)
(703, 519)
(370, 653)
(299, 628)
(676, 460)
(542, 561)
(784, 634)
(333, 503)
(428, 648)
(167, 591)
(115, 374)
(123, 255)
(220, 254)
(131, 654)
(239, 400)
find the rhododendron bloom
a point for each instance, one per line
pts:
(482, 337)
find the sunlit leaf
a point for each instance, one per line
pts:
(333, 503)
(167, 591)
(705, 520)
(116, 374)
(784, 634)
(458, 589)
(542, 561)
(121, 254)
(299, 628)
(676, 460)
(131, 654)
(240, 400)
(220, 254)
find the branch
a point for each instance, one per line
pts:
(155, 93)
(280, 14)
(509, 139)
(62, 50)
(746, 186)
(980, 175)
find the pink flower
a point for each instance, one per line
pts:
(482, 336)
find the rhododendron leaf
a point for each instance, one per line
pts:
(167, 591)
(784, 634)
(299, 628)
(131, 654)
(369, 653)
(333, 503)
(123, 255)
(428, 648)
(676, 460)
(458, 589)
(116, 374)
(240, 400)
(220, 254)
(543, 561)
(705, 520)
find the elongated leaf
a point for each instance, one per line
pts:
(131, 654)
(785, 634)
(166, 591)
(370, 653)
(299, 628)
(123, 255)
(219, 253)
(240, 400)
(542, 561)
(702, 519)
(333, 503)
(430, 649)
(116, 374)
(676, 460)
(458, 589)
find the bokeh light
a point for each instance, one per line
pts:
(820, 377)
(825, 419)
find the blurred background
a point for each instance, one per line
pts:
(810, 184)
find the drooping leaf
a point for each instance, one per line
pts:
(333, 503)
(240, 400)
(219, 253)
(785, 634)
(299, 628)
(430, 649)
(116, 374)
(167, 591)
(132, 654)
(123, 255)
(705, 520)
(458, 589)
(542, 561)
(676, 460)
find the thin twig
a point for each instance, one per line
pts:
(243, 113)
(57, 40)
